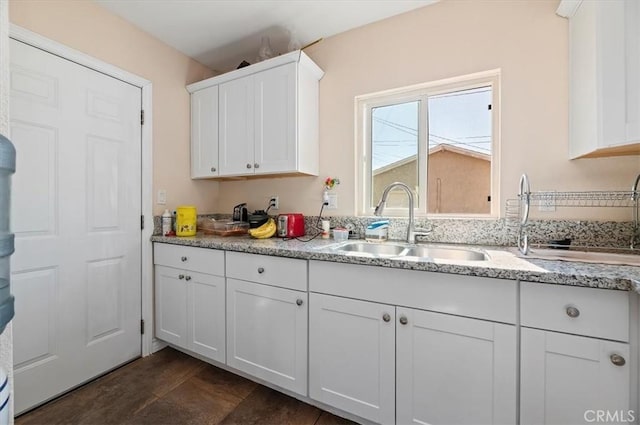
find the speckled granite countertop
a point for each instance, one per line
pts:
(504, 262)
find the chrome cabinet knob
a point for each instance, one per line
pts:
(260, 270)
(386, 317)
(183, 259)
(404, 320)
(573, 312)
(213, 169)
(617, 360)
(180, 276)
(256, 165)
(188, 278)
(248, 165)
(299, 301)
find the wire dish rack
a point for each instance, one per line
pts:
(517, 210)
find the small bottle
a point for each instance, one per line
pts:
(326, 227)
(166, 222)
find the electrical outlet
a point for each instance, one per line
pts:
(162, 197)
(274, 202)
(547, 202)
(333, 201)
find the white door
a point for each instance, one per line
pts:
(267, 333)
(568, 379)
(454, 370)
(236, 127)
(204, 133)
(76, 211)
(275, 120)
(352, 356)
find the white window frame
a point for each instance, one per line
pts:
(420, 92)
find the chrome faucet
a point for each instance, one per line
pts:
(412, 232)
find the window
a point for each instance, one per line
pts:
(440, 139)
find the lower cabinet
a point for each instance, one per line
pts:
(454, 370)
(190, 310)
(352, 356)
(398, 365)
(569, 379)
(267, 333)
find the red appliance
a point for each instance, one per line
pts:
(290, 225)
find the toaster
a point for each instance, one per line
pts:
(290, 225)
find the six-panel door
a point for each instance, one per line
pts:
(569, 379)
(454, 370)
(267, 333)
(352, 356)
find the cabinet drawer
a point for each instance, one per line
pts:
(202, 260)
(275, 271)
(592, 312)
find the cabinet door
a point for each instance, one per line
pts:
(267, 333)
(171, 305)
(352, 356)
(236, 127)
(275, 120)
(567, 379)
(454, 370)
(204, 133)
(205, 310)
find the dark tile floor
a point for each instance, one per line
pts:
(172, 388)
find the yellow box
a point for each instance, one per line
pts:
(186, 217)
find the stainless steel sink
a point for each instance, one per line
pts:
(372, 249)
(445, 253)
(390, 249)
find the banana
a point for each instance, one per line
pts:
(265, 231)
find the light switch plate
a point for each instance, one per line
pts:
(162, 197)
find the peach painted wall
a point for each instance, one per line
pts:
(87, 27)
(525, 39)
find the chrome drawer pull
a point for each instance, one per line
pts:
(573, 312)
(180, 276)
(299, 301)
(188, 278)
(404, 320)
(386, 317)
(260, 270)
(617, 360)
(183, 259)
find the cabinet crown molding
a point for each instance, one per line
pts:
(297, 56)
(568, 8)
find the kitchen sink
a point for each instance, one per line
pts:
(446, 253)
(373, 249)
(398, 250)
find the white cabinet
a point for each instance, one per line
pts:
(352, 356)
(454, 369)
(604, 88)
(266, 320)
(189, 305)
(572, 369)
(567, 379)
(392, 364)
(267, 116)
(204, 133)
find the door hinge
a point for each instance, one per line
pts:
(141, 116)
(142, 222)
(141, 326)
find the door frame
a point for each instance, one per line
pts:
(36, 40)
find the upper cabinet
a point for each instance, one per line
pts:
(604, 77)
(265, 120)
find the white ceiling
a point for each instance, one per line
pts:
(223, 33)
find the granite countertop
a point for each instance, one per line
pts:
(504, 262)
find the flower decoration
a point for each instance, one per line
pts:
(330, 182)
